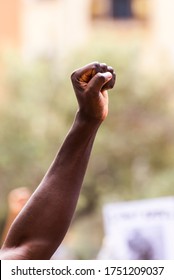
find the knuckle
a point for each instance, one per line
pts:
(96, 65)
(100, 77)
(112, 82)
(114, 76)
(73, 76)
(103, 67)
(110, 69)
(103, 64)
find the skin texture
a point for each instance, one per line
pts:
(42, 224)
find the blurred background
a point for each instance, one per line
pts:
(41, 43)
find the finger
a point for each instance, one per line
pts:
(98, 81)
(110, 69)
(110, 84)
(103, 68)
(85, 73)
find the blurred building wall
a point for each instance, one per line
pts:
(56, 26)
(44, 27)
(48, 27)
(162, 23)
(10, 23)
(148, 21)
(120, 8)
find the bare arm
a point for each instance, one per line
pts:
(42, 224)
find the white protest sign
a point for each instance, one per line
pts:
(139, 230)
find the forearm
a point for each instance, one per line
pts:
(60, 187)
(40, 227)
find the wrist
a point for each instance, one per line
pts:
(86, 120)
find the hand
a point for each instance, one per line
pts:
(91, 83)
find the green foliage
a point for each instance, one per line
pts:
(133, 155)
(34, 121)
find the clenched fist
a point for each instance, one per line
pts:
(91, 83)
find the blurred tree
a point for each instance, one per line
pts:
(133, 155)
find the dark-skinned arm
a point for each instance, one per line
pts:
(42, 224)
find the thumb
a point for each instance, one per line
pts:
(98, 81)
